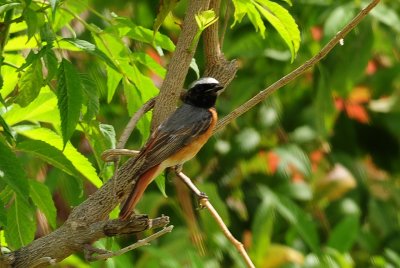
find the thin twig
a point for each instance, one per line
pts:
(134, 120)
(204, 202)
(143, 242)
(297, 72)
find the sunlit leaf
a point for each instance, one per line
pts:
(43, 108)
(80, 162)
(166, 6)
(8, 6)
(283, 22)
(49, 154)
(280, 256)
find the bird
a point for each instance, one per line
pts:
(177, 139)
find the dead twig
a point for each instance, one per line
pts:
(102, 255)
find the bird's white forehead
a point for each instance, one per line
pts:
(204, 80)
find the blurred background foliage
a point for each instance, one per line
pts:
(308, 178)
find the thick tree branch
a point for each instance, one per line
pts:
(179, 64)
(298, 71)
(73, 236)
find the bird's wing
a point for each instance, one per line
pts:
(179, 130)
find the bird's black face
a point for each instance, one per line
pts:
(203, 92)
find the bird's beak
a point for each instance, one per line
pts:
(215, 89)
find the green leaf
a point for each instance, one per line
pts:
(6, 129)
(101, 138)
(9, 72)
(283, 22)
(32, 21)
(47, 34)
(21, 225)
(91, 97)
(300, 221)
(338, 18)
(113, 80)
(92, 49)
(242, 7)
(292, 155)
(131, 95)
(51, 63)
(140, 33)
(30, 84)
(205, 19)
(3, 216)
(53, 4)
(49, 154)
(80, 162)
(4, 8)
(344, 235)
(324, 106)
(43, 200)
(263, 224)
(43, 108)
(160, 182)
(166, 6)
(11, 171)
(387, 15)
(150, 63)
(69, 93)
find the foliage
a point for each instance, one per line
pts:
(309, 178)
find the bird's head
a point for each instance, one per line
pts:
(203, 92)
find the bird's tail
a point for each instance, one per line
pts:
(136, 194)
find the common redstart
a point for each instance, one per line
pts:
(177, 139)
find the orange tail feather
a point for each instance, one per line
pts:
(136, 194)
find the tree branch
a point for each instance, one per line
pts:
(143, 242)
(179, 64)
(298, 71)
(72, 236)
(216, 64)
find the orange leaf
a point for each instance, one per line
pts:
(357, 112)
(273, 161)
(317, 33)
(359, 94)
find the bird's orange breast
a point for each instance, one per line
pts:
(189, 151)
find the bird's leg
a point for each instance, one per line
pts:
(111, 155)
(200, 195)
